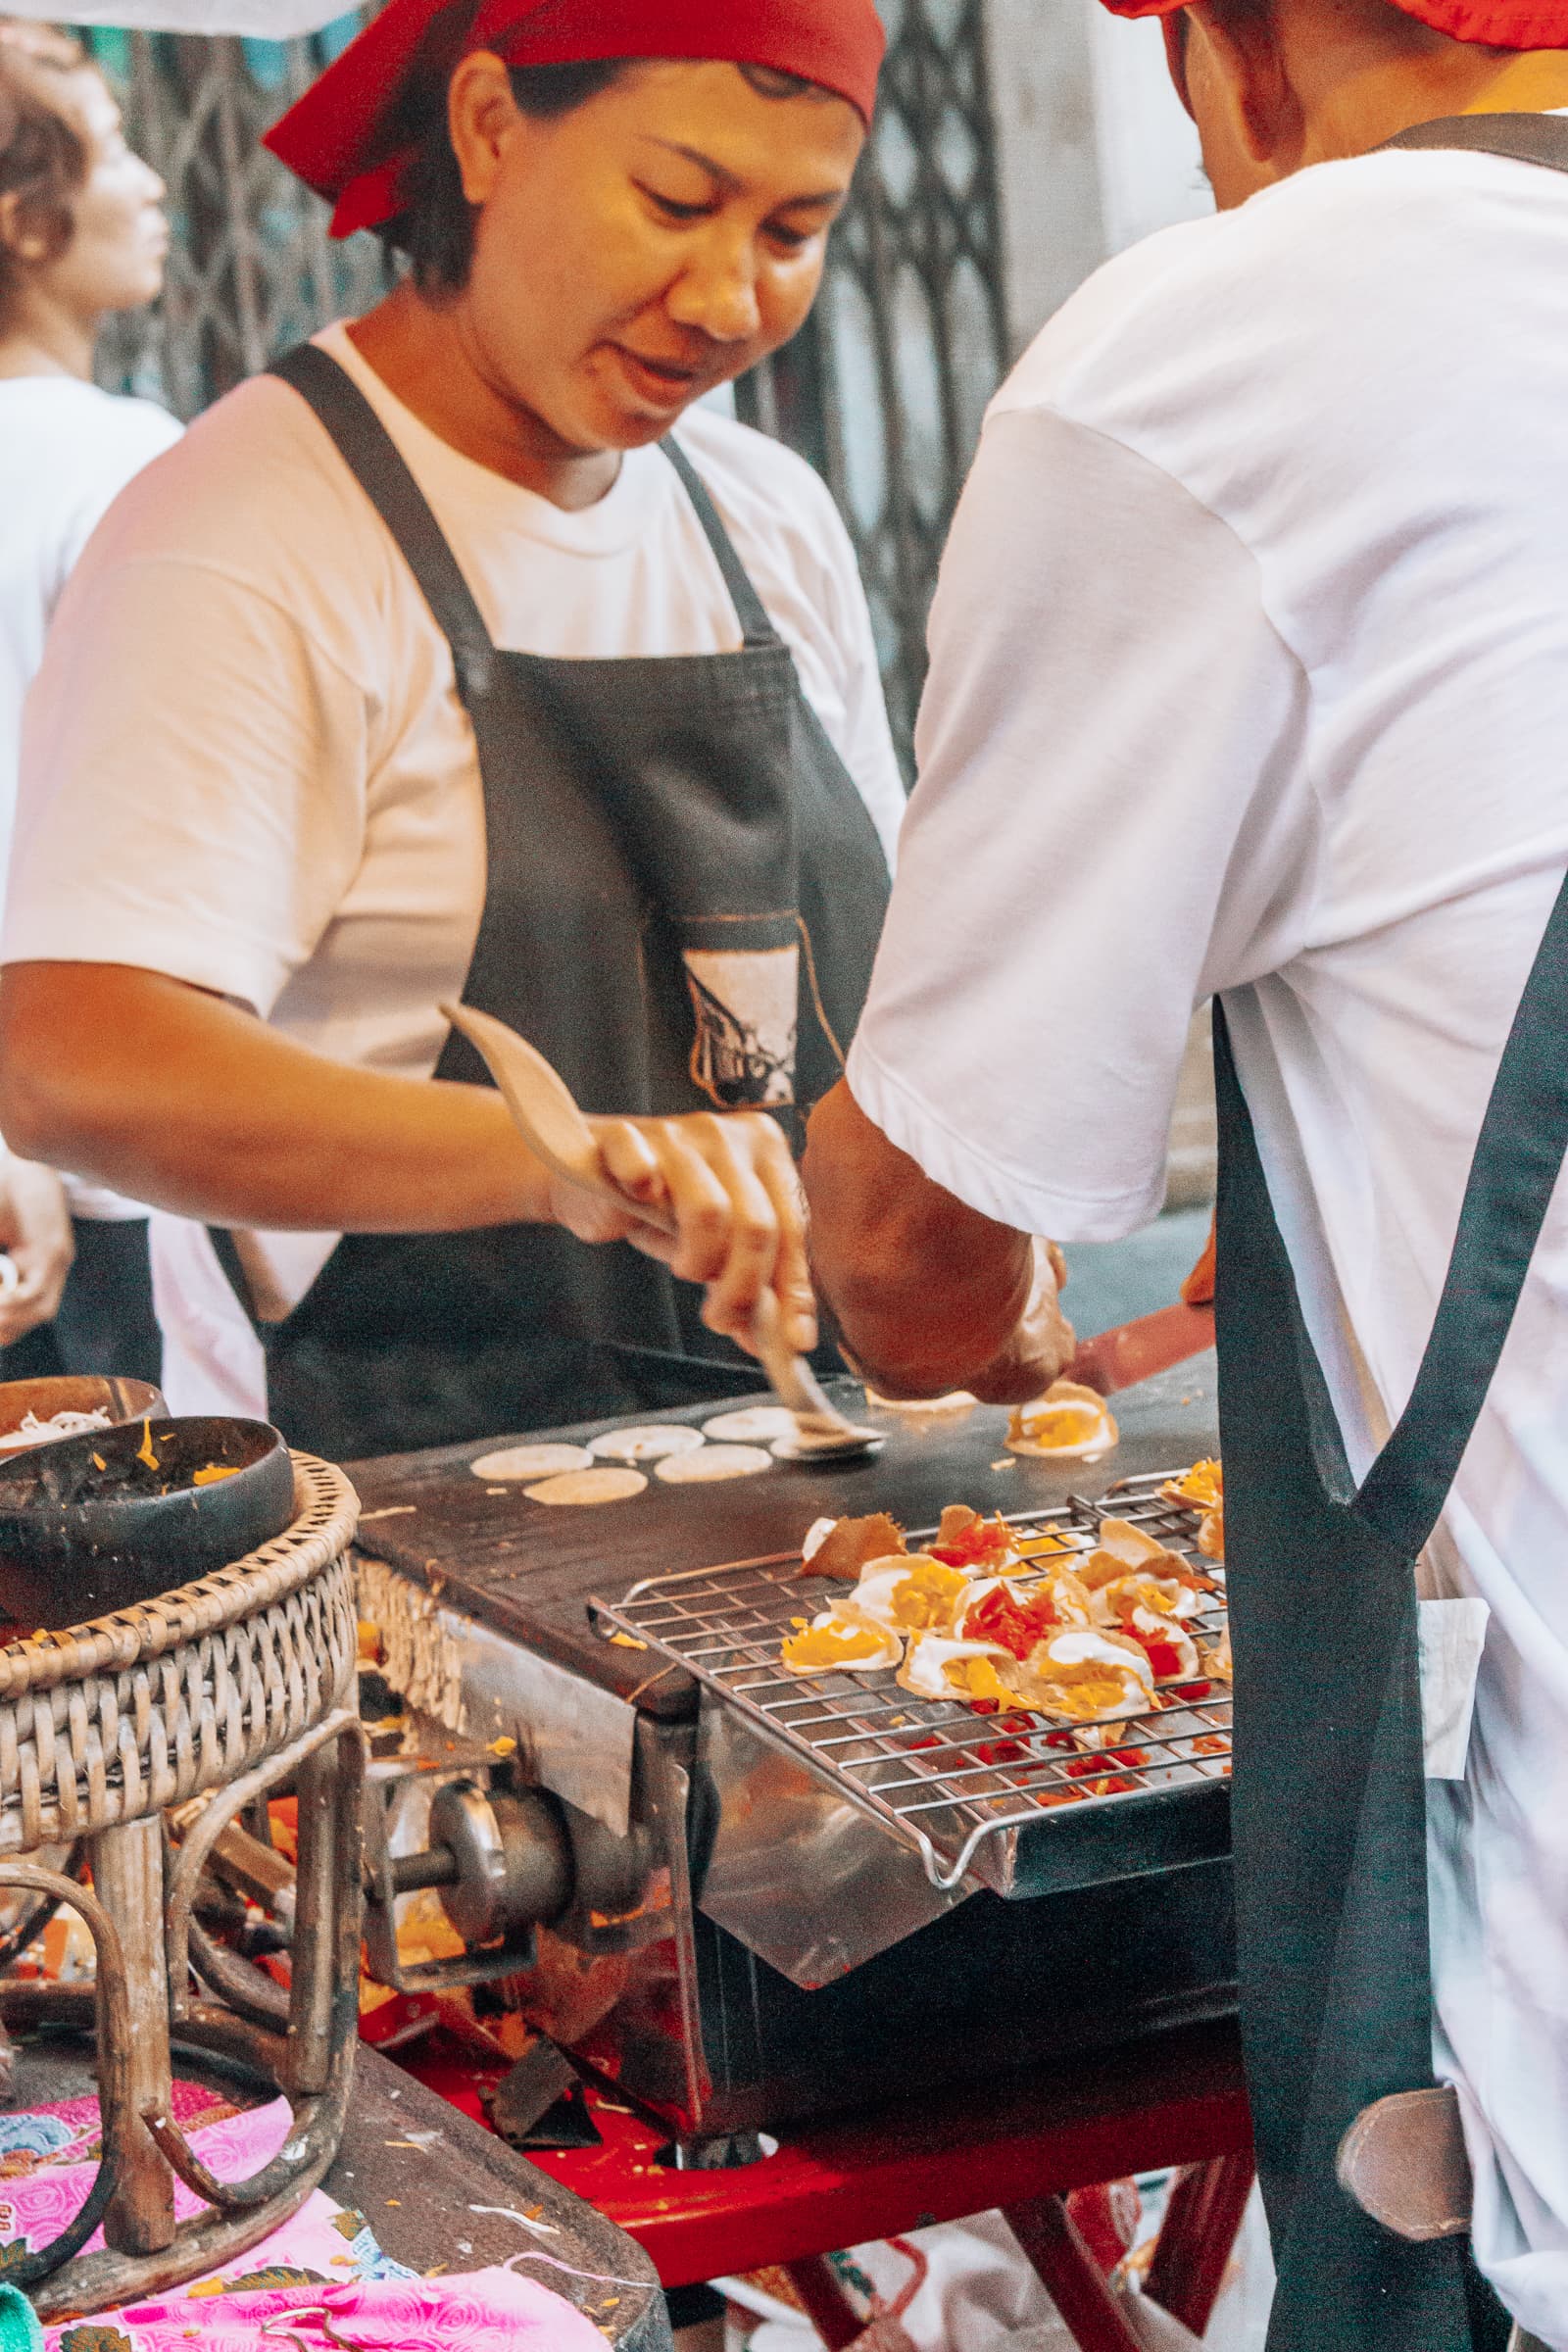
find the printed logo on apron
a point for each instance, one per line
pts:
(746, 1003)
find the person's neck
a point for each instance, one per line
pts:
(1365, 109)
(40, 340)
(425, 354)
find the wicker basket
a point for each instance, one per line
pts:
(136, 1712)
(216, 1690)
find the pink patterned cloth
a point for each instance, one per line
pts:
(38, 2208)
(491, 2311)
(66, 2130)
(324, 2266)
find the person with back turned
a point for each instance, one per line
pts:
(1249, 679)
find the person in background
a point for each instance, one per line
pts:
(82, 235)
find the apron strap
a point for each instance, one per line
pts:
(1518, 1160)
(1523, 138)
(756, 629)
(377, 465)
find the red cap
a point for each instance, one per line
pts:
(1493, 23)
(348, 136)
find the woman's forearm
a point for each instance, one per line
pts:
(178, 1099)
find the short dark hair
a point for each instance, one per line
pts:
(435, 229)
(44, 155)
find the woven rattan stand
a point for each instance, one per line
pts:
(221, 1689)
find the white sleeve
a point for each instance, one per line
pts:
(141, 431)
(1112, 822)
(193, 784)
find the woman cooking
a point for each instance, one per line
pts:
(435, 664)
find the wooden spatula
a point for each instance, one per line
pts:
(551, 1125)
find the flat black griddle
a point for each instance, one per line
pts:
(528, 1570)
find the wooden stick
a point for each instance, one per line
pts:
(127, 1870)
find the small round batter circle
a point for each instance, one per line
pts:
(585, 1488)
(520, 1462)
(649, 1445)
(753, 1425)
(713, 1464)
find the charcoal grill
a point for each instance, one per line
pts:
(784, 1903)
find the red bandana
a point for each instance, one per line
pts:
(348, 136)
(1493, 24)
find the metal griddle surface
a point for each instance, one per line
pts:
(528, 1570)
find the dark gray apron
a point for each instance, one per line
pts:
(684, 898)
(1329, 1794)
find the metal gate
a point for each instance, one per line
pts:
(883, 392)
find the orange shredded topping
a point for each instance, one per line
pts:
(927, 1596)
(819, 1648)
(1202, 1485)
(1061, 1424)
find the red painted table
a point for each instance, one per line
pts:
(1024, 2145)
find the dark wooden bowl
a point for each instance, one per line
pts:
(121, 1399)
(90, 1524)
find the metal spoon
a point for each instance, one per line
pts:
(550, 1122)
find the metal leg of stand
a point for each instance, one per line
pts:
(827, 2306)
(1071, 2276)
(1206, 2208)
(127, 1870)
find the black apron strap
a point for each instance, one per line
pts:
(1522, 138)
(751, 611)
(377, 465)
(227, 1251)
(1519, 1158)
(374, 459)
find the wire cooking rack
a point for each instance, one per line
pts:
(967, 1788)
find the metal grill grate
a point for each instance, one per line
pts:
(957, 1783)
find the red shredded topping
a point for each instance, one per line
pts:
(1014, 1625)
(1082, 1766)
(1164, 1658)
(987, 1540)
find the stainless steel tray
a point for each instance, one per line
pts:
(1012, 1803)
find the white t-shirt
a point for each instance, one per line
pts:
(246, 764)
(67, 450)
(1250, 675)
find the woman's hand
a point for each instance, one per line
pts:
(728, 1186)
(36, 1234)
